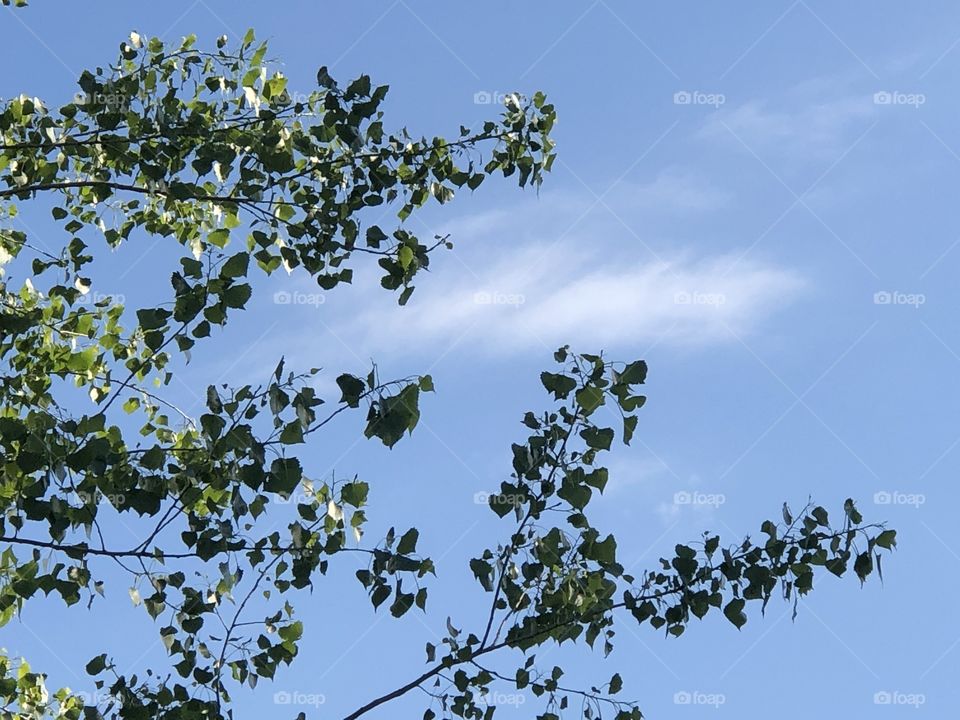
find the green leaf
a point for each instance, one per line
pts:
(379, 594)
(401, 604)
(212, 425)
(292, 433)
(152, 319)
(355, 493)
(97, 665)
(635, 373)
(408, 542)
(863, 565)
(285, 475)
(734, 612)
(560, 385)
(616, 684)
(887, 539)
(375, 236)
(574, 493)
(219, 237)
(597, 438)
(589, 398)
(405, 256)
(237, 296)
(351, 389)
(236, 266)
(391, 417)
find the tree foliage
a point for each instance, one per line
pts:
(212, 151)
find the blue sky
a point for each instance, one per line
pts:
(758, 199)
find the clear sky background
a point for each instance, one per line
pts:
(759, 198)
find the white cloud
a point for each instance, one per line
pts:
(560, 270)
(539, 296)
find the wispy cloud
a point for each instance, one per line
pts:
(806, 129)
(557, 270)
(807, 121)
(535, 297)
(671, 191)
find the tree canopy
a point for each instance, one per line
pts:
(209, 150)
